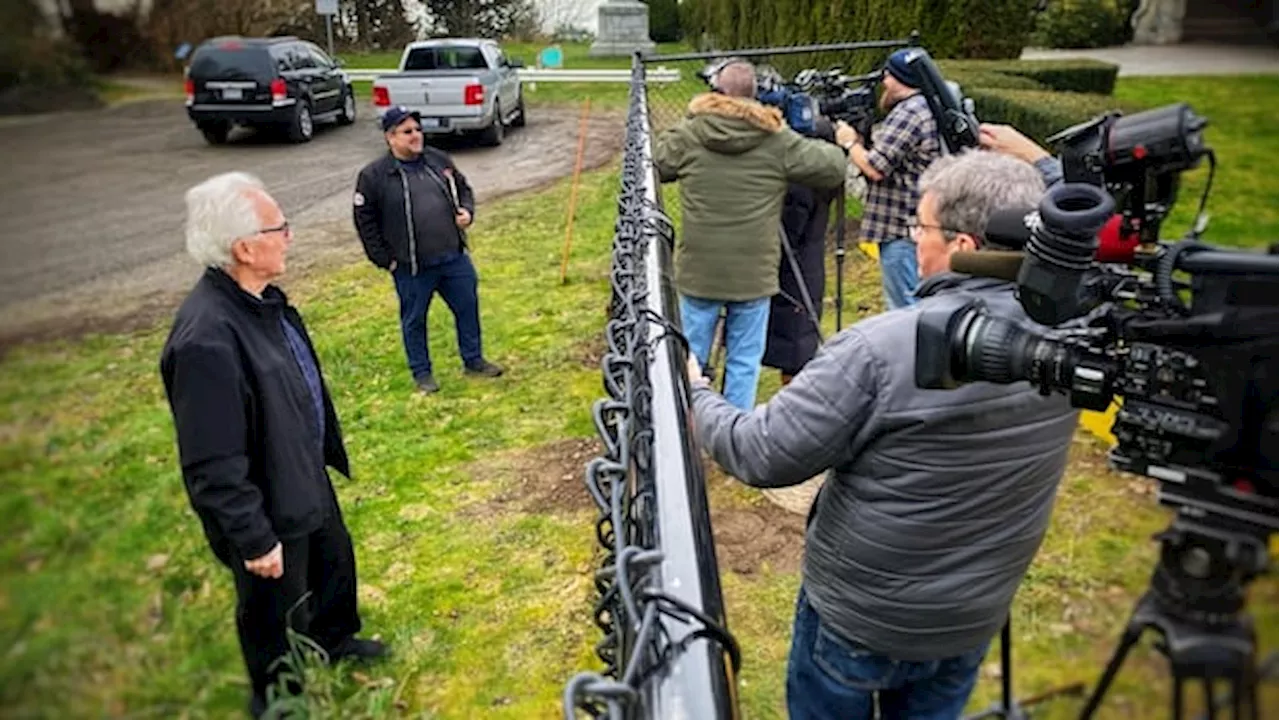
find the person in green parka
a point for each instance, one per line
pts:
(734, 157)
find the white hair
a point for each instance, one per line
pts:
(220, 210)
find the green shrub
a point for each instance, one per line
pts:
(1083, 24)
(993, 80)
(948, 28)
(664, 21)
(1040, 113)
(1081, 76)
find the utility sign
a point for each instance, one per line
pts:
(326, 7)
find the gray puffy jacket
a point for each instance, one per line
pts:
(937, 500)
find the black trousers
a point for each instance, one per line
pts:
(322, 564)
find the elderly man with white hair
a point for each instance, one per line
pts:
(256, 428)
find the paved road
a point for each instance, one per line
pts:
(93, 202)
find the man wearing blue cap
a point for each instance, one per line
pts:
(902, 146)
(412, 208)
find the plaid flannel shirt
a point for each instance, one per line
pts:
(902, 147)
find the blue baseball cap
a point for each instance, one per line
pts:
(900, 68)
(398, 114)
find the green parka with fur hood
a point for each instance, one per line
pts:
(734, 158)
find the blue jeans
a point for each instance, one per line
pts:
(827, 678)
(899, 273)
(746, 329)
(456, 281)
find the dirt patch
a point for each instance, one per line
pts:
(590, 353)
(547, 479)
(112, 258)
(752, 534)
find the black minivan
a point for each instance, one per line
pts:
(277, 82)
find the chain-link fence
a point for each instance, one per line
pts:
(666, 648)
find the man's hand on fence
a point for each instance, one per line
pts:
(694, 369)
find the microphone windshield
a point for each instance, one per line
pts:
(989, 263)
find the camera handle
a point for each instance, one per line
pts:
(1008, 707)
(1195, 653)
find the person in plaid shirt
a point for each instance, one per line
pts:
(903, 145)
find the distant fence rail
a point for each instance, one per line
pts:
(658, 75)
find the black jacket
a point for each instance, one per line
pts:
(245, 420)
(382, 207)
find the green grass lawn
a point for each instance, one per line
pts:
(1242, 131)
(474, 536)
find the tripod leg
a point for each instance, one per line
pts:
(1006, 668)
(1177, 697)
(1131, 635)
(840, 200)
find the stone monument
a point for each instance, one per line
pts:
(1158, 22)
(623, 29)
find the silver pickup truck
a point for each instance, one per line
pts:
(458, 85)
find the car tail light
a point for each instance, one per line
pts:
(278, 90)
(189, 86)
(381, 97)
(473, 94)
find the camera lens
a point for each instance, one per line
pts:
(997, 350)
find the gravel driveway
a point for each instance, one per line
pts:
(92, 202)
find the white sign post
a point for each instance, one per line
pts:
(328, 8)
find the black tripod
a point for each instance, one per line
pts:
(1195, 602)
(1008, 707)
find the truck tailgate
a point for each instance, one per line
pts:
(435, 93)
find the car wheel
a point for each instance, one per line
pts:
(348, 116)
(303, 126)
(215, 133)
(519, 121)
(495, 132)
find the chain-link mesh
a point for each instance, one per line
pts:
(669, 101)
(658, 584)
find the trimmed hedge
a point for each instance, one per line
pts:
(1081, 76)
(948, 28)
(993, 80)
(1041, 113)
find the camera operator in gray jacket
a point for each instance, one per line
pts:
(935, 501)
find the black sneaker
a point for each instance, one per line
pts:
(358, 649)
(427, 384)
(485, 368)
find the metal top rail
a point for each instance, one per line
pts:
(912, 40)
(666, 646)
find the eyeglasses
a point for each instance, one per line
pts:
(949, 233)
(917, 228)
(415, 130)
(282, 227)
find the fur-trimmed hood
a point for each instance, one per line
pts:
(732, 125)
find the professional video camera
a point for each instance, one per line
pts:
(799, 110)
(851, 98)
(1198, 380)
